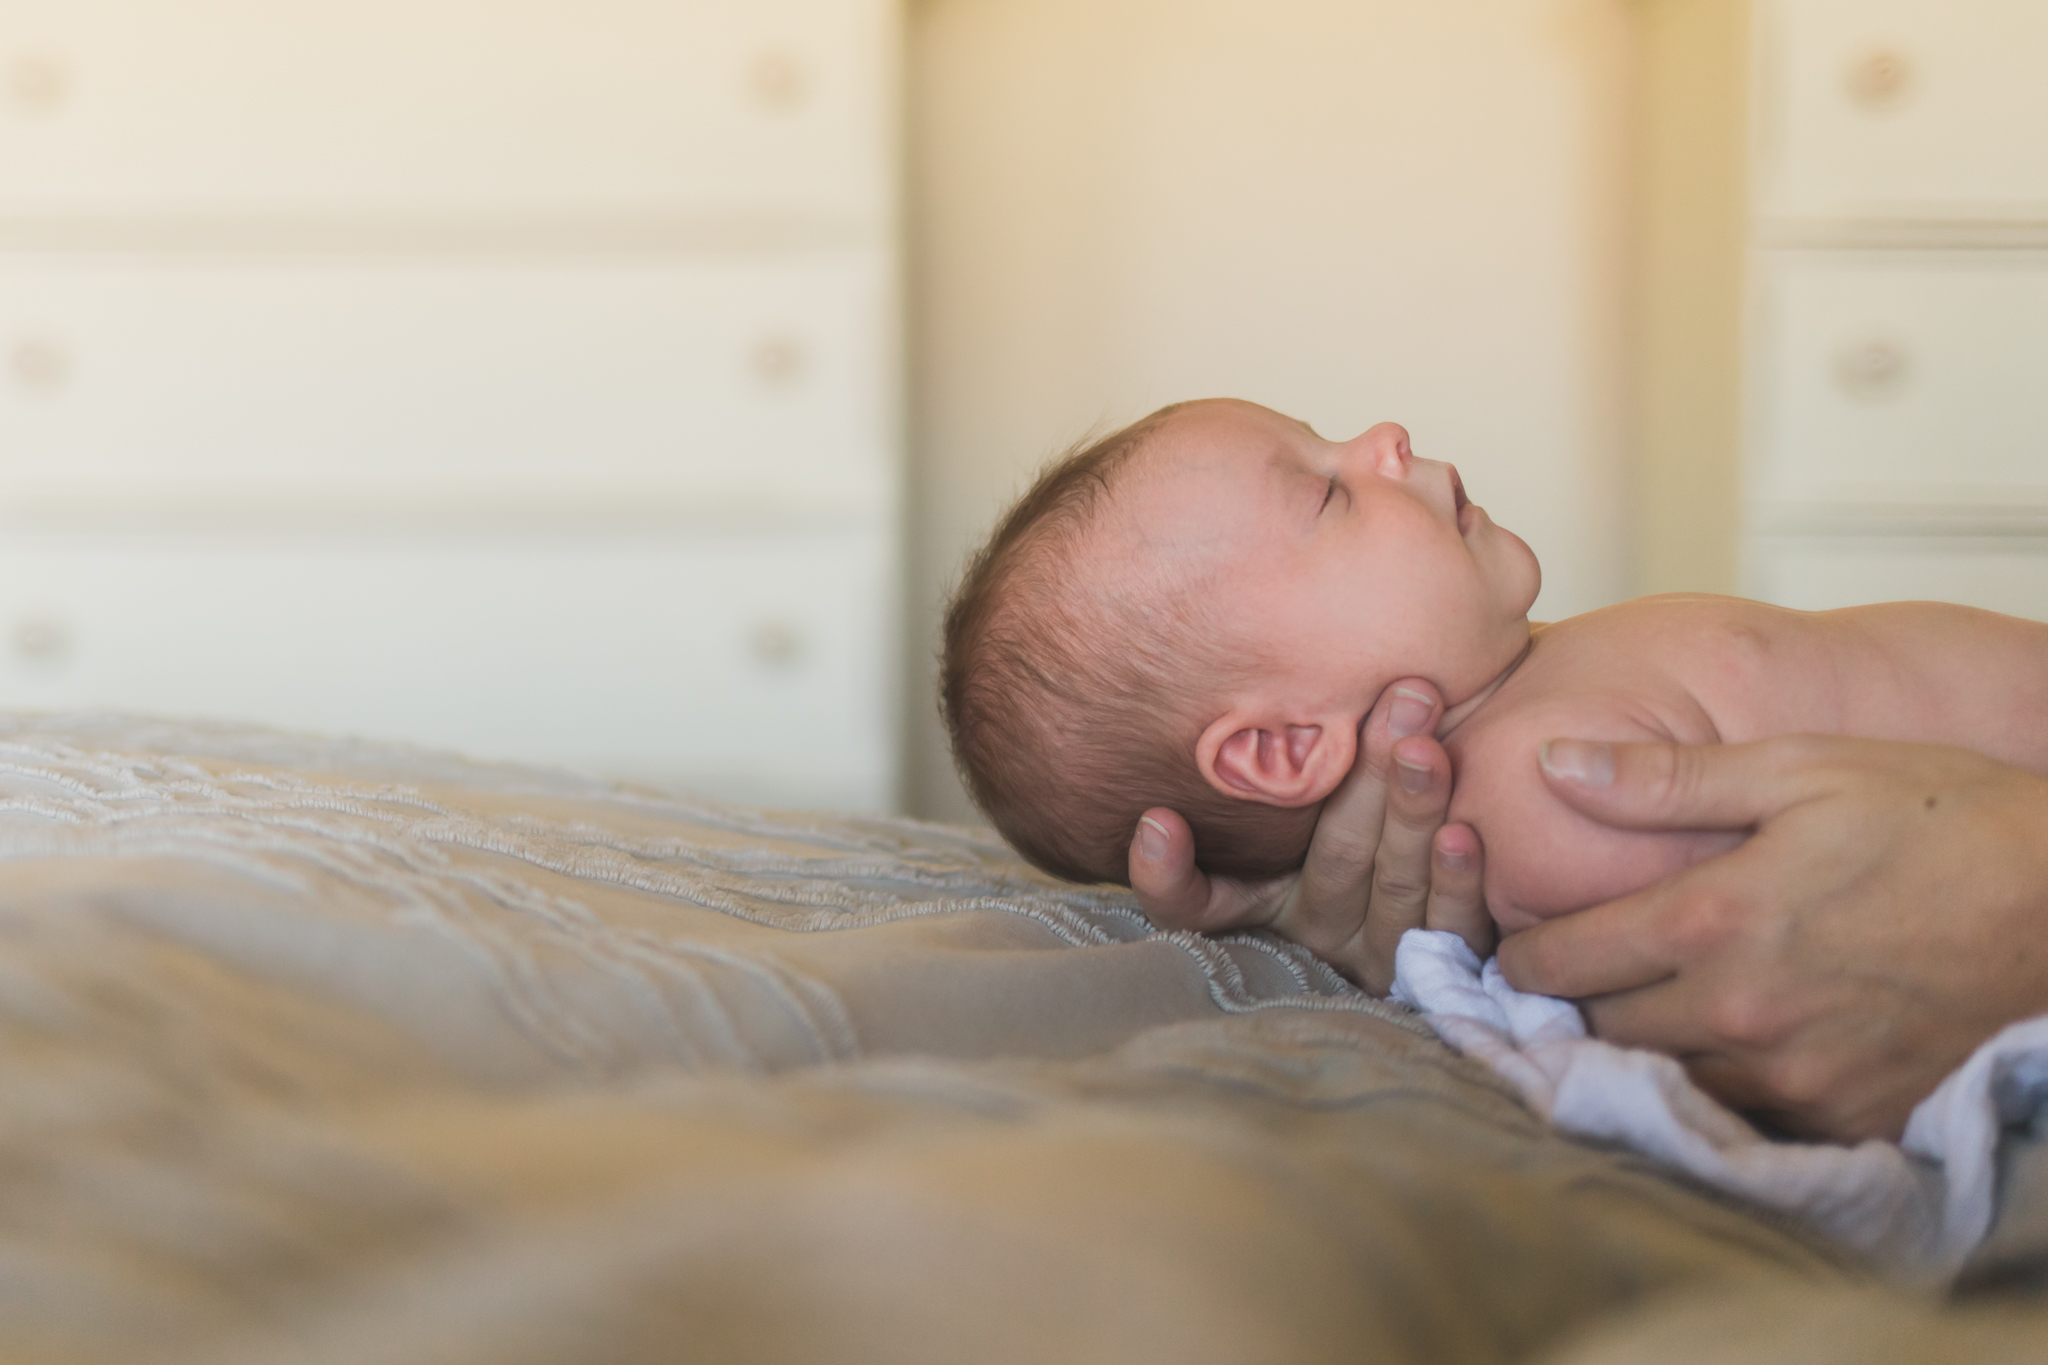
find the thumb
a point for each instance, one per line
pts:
(1683, 786)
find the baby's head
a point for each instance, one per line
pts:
(1197, 612)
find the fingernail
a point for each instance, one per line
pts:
(1410, 713)
(1415, 778)
(1454, 861)
(1578, 760)
(1151, 839)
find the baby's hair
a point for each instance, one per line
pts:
(1074, 704)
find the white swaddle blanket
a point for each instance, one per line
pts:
(1919, 1207)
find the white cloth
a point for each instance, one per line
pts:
(1918, 1207)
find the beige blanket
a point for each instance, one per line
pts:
(322, 1051)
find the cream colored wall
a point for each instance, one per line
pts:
(1348, 209)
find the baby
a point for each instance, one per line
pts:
(1198, 611)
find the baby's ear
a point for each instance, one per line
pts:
(1276, 761)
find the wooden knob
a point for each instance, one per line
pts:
(36, 84)
(1879, 80)
(38, 365)
(779, 81)
(1872, 369)
(41, 640)
(775, 644)
(777, 360)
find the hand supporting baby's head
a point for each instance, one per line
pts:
(1196, 612)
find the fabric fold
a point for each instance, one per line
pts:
(1918, 1207)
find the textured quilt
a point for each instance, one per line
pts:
(325, 1051)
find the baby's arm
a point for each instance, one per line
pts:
(1543, 858)
(1939, 674)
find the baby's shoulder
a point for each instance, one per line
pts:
(1671, 636)
(1503, 737)
(1623, 679)
(1689, 667)
(1642, 669)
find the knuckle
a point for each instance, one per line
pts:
(1680, 778)
(1798, 1081)
(1346, 858)
(1418, 812)
(1745, 1016)
(1710, 920)
(1398, 885)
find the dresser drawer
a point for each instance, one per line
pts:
(1813, 573)
(1903, 108)
(1901, 377)
(548, 381)
(445, 107)
(750, 667)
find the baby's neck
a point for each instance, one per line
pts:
(1457, 715)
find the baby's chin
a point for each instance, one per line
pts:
(1520, 548)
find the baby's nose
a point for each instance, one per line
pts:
(1389, 442)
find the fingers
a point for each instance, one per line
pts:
(1457, 896)
(1678, 786)
(1666, 1016)
(1372, 862)
(1368, 868)
(1729, 1080)
(1623, 945)
(1176, 894)
(1417, 797)
(1339, 868)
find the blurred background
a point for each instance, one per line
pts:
(621, 383)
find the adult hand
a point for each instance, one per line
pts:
(1889, 914)
(1382, 861)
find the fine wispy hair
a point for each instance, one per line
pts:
(1073, 698)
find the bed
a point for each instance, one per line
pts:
(321, 1050)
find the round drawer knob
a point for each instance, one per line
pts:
(778, 81)
(38, 366)
(777, 360)
(1871, 370)
(775, 644)
(1879, 80)
(41, 640)
(36, 85)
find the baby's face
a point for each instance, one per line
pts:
(1344, 565)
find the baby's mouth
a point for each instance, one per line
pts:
(1463, 514)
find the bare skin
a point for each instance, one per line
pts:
(1696, 670)
(1828, 972)
(1886, 917)
(1383, 860)
(1340, 567)
(1348, 563)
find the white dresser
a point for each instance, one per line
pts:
(520, 377)
(1897, 341)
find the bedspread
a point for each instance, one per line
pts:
(320, 1050)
